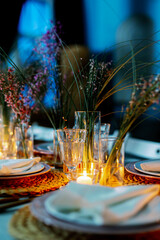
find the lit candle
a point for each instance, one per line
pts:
(84, 179)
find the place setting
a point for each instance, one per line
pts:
(91, 211)
(28, 177)
(145, 168)
(17, 168)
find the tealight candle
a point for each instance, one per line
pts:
(84, 180)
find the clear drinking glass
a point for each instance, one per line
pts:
(71, 147)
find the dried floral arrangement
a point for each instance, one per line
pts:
(24, 88)
(145, 93)
(18, 96)
(41, 74)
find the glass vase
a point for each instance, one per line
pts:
(91, 121)
(57, 161)
(24, 141)
(112, 161)
(7, 142)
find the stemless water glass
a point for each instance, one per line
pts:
(71, 147)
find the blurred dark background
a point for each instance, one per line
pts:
(110, 29)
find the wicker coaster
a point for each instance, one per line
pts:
(35, 185)
(24, 226)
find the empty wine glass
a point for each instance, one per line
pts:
(71, 147)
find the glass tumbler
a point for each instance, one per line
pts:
(71, 147)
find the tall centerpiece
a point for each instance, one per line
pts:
(92, 80)
(146, 92)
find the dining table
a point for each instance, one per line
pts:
(22, 210)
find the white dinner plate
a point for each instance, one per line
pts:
(44, 148)
(36, 168)
(144, 217)
(137, 166)
(145, 224)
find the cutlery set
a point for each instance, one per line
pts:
(9, 202)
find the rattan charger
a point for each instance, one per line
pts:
(24, 226)
(34, 185)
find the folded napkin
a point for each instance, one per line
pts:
(152, 166)
(10, 166)
(98, 205)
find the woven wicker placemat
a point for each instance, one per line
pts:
(137, 179)
(24, 226)
(34, 185)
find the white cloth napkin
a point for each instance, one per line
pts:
(153, 166)
(10, 166)
(93, 204)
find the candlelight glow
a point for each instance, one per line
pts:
(84, 180)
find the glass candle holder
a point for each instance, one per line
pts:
(88, 173)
